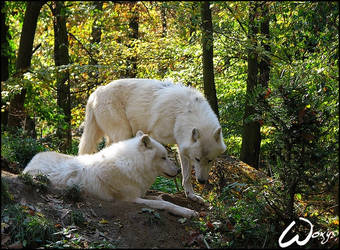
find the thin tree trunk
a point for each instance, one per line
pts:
(17, 115)
(133, 35)
(251, 137)
(258, 73)
(61, 57)
(164, 22)
(4, 62)
(96, 36)
(208, 55)
(265, 59)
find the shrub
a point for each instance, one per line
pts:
(30, 230)
(39, 182)
(19, 147)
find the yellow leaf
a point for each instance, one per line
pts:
(103, 221)
(336, 222)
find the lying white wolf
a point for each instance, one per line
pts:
(170, 113)
(124, 171)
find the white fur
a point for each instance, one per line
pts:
(124, 171)
(170, 113)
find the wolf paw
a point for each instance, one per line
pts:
(189, 213)
(198, 199)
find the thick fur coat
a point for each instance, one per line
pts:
(124, 171)
(170, 113)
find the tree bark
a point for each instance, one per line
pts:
(258, 73)
(4, 45)
(163, 18)
(61, 57)
(131, 71)
(4, 62)
(17, 115)
(96, 37)
(96, 31)
(251, 138)
(208, 54)
(265, 59)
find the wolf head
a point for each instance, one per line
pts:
(158, 154)
(201, 149)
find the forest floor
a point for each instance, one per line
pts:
(89, 222)
(119, 224)
(123, 224)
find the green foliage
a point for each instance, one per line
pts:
(19, 147)
(6, 196)
(39, 182)
(153, 217)
(303, 137)
(77, 218)
(31, 230)
(165, 185)
(239, 217)
(298, 113)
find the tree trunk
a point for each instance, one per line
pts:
(17, 115)
(96, 31)
(4, 62)
(163, 18)
(96, 36)
(133, 36)
(265, 59)
(61, 57)
(4, 45)
(251, 138)
(208, 54)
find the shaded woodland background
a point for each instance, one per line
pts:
(269, 70)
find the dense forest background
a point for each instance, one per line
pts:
(270, 71)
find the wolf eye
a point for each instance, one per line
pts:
(164, 158)
(197, 159)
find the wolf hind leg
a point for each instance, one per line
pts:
(92, 133)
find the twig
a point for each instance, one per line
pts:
(88, 52)
(239, 22)
(206, 243)
(36, 48)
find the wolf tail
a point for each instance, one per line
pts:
(92, 132)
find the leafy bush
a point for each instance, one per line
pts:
(239, 218)
(30, 230)
(19, 147)
(304, 134)
(6, 196)
(39, 182)
(165, 185)
(77, 218)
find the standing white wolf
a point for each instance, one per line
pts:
(124, 171)
(170, 113)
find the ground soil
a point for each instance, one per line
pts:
(124, 224)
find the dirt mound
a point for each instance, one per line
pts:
(123, 224)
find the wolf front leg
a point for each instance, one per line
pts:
(168, 206)
(186, 181)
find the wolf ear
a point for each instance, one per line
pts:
(139, 133)
(217, 134)
(195, 134)
(146, 142)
